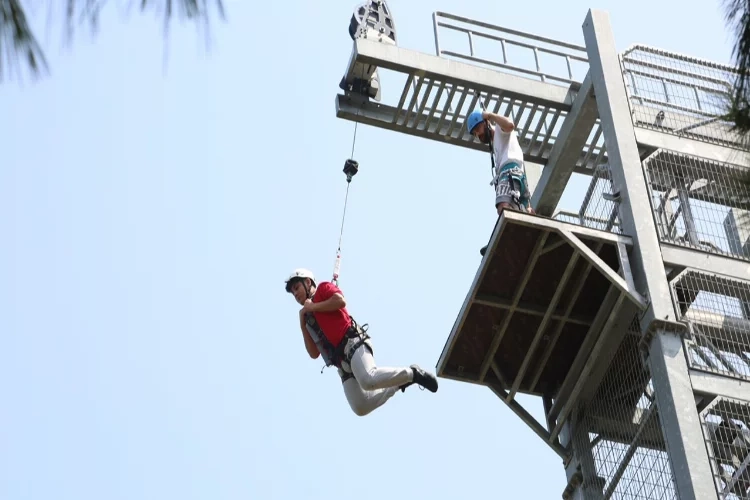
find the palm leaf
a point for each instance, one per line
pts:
(738, 17)
(18, 44)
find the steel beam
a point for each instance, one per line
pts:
(680, 421)
(716, 385)
(620, 282)
(458, 73)
(558, 226)
(677, 410)
(566, 151)
(680, 258)
(523, 414)
(440, 130)
(577, 379)
(653, 139)
(617, 127)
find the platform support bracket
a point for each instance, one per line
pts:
(625, 285)
(524, 415)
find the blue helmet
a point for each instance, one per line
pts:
(473, 120)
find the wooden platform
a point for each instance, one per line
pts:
(535, 303)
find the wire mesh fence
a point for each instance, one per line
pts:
(681, 95)
(599, 207)
(717, 312)
(700, 203)
(726, 429)
(623, 448)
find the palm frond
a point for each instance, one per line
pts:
(738, 17)
(18, 43)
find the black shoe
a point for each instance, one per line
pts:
(483, 250)
(424, 379)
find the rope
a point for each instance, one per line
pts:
(341, 233)
(354, 139)
(337, 264)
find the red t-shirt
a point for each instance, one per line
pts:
(333, 323)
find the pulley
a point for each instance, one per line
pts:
(351, 167)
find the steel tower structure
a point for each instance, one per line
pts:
(631, 318)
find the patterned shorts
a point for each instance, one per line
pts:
(511, 186)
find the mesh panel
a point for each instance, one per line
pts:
(620, 426)
(726, 429)
(700, 203)
(680, 95)
(599, 209)
(717, 309)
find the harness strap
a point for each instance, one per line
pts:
(339, 356)
(514, 172)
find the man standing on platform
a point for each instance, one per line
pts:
(511, 187)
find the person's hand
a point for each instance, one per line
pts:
(307, 307)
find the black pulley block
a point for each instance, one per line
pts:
(351, 167)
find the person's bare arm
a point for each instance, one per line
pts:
(506, 125)
(312, 349)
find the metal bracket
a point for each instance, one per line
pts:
(681, 328)
(619, 281)
(575, 481)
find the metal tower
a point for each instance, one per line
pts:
(631, 318)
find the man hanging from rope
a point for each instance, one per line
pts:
(330, 332)
(511, 186)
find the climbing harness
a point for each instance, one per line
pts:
(333, 355)
(339, 356)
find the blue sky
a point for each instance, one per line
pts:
(150, 212)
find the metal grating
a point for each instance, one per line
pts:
(679, 94)
(522, 53)
(717, 311)
(699, 203)
(624, 454)
(425, 101)
(428, 105)
(726, 430)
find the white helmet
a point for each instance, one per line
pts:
(298, 274)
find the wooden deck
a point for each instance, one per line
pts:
(535, 303)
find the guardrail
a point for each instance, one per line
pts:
(680, 94)
(563, 51)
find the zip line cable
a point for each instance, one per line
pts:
(351, 167)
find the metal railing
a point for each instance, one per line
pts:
(476, 30)
(725, 429)
(700, 203)
(717, 311)
(680, 94)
